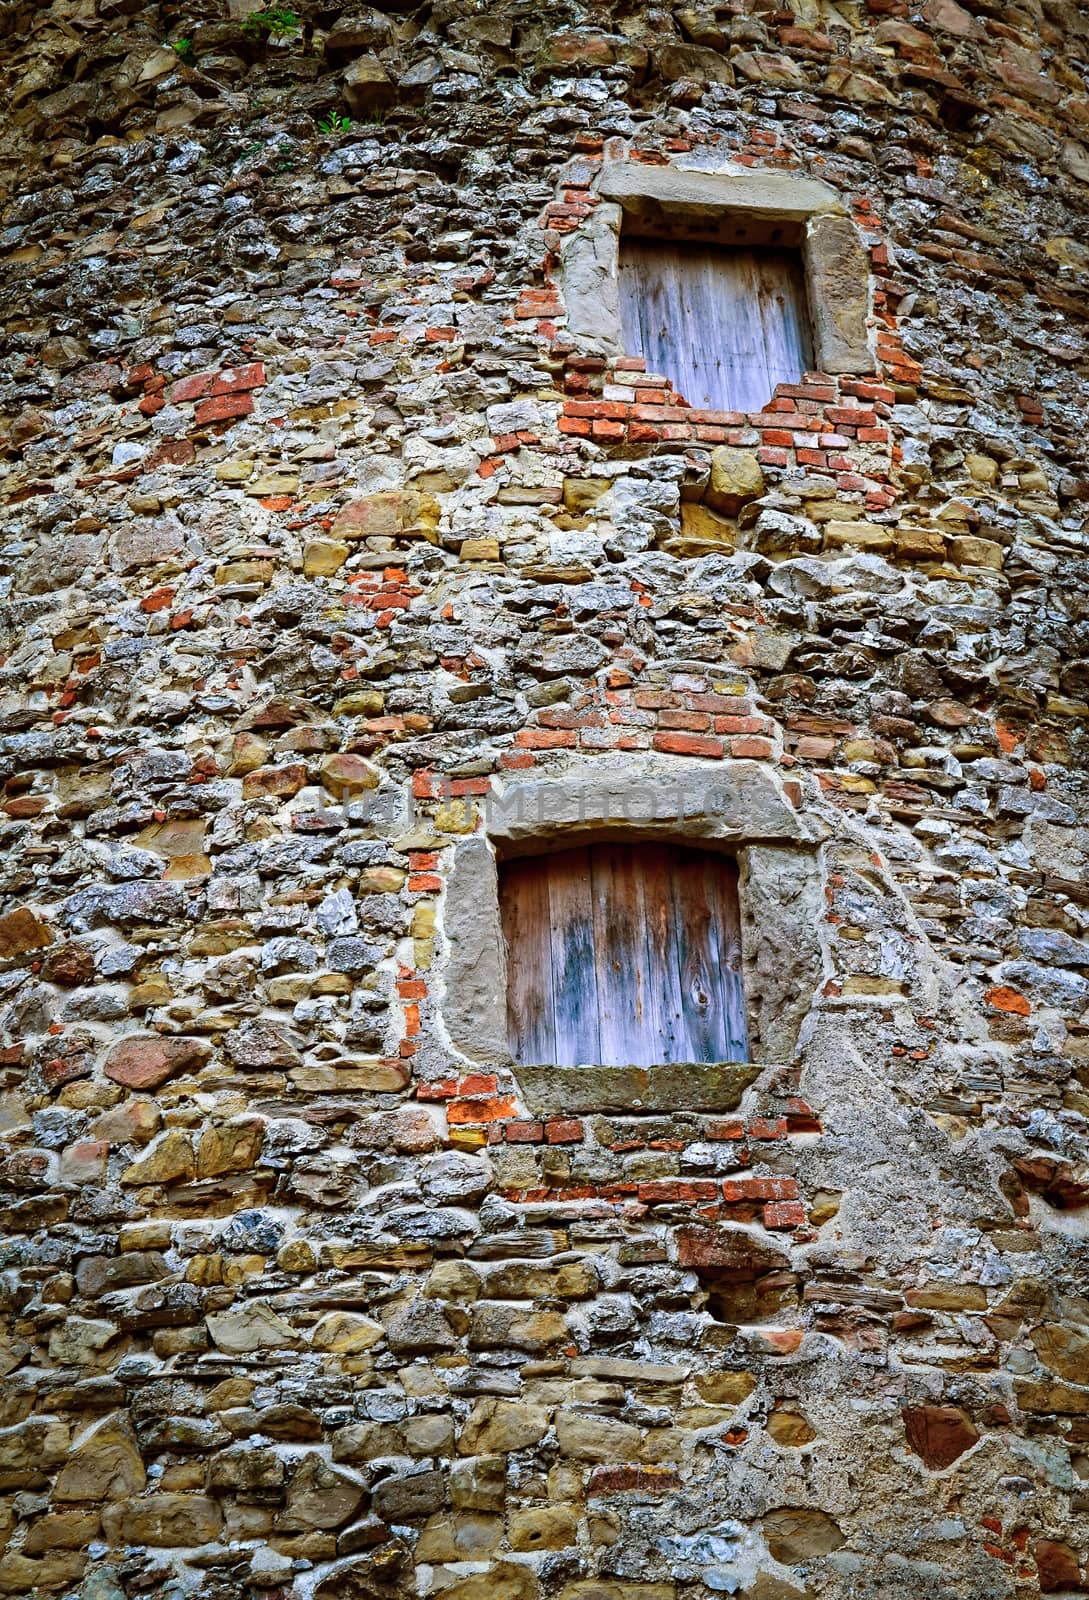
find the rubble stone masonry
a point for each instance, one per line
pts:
(340, 552)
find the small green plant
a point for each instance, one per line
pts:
(182, 48)
(334, 123)
(277, 22)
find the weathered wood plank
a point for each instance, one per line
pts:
(724, 324)
(574, 971)
(624, 956)
(724, 954)
(665, 1020)
(523, 905)
(692, 930)
(624, 974)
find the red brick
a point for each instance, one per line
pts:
(565, 1131)
(689, 744)
(545, 739)
(1003, 998)
(675, 1191)
(861, 389)
(195, 387)
(740, 724)
(468, 1112)
(750, 748)
(478, 1083)
(660, 413)
(523, 1132)
(223, 407)
(735, 1189)
(607, 430)
(784, 1214)
(691, 721)
(442, 1089)
(772, 458)
(767, 1127)
(634, 1480)
(731, 1128)
(596, 408)
(236, 380)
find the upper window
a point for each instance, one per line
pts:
(724, 323)
(623, 955)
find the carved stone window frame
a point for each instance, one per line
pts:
(739, 808)
(834, 257)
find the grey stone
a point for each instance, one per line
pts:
(474, 1003)
(698, 1086)
(420, 1328)
(679, 194)
(1053, 947)
(838, 277)
(409, 1498)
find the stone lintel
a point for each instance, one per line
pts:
(771, 195)
(640, 798)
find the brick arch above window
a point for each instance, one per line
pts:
(732, 209)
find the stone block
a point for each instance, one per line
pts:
(700, 1086)
(591, 1437)
(799, 1534)
(392, 514)
(736, 478)
(21, 932)
(163, 1521)
(368, 87)
(148, 1060)
(104, 1465)
(939, 1435)
(870, 536)
(499, 1427)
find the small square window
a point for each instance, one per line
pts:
(724, 322)
(623, 955)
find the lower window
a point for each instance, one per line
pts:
(623, 955)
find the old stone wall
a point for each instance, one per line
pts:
(345, 548)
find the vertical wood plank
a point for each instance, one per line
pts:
(724, 956)
(624, 975)
(574, 973)
(523, 905)
(692, 926)
(665, 1034)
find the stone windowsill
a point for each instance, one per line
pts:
(673, 1086)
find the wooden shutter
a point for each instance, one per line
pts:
(725, 325)
(624, 955)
